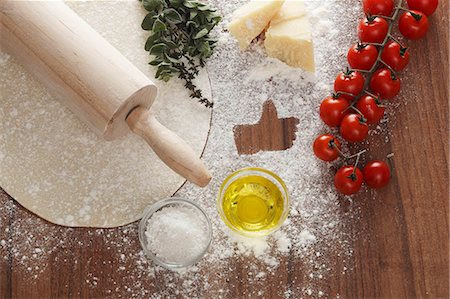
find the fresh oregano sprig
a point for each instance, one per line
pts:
(179, 41)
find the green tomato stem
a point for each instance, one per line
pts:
(338, 150)
(380, 51)
(359, 112)
(357, 161)
(393, 73)
(358, 154)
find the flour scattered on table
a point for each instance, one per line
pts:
(316, 237)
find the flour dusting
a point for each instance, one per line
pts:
(314, 239)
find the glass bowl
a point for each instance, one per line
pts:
(172, 202)
(258, 172)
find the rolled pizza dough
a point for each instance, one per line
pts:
(53, 165)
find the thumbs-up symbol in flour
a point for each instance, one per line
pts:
(269, 134)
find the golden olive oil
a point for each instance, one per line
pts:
(253, 203)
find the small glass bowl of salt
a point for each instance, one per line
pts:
(175, 233)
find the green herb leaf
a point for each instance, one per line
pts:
(147, 23)
(157, 49)
(203, 7)
(204, 48)
(173, 60)
(151, 40)
(193, 14)
(193, 24)
(158, 26)
(190, 4)
(175, 3)
(170, 44)
(155, 62)
(213, 17)
(152, 5)
(172, 16)
(161, 72)
(201, 33)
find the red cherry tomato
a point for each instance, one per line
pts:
(372, 110)
(348, 180)
(378, 7)
(362, 56)
(333, 109)
(351, 82)
(372, 29)
(325, 147)
(426, 6)
(413, 24)
(396, 56)
(354, 128)
(385, 84)
(376, 174)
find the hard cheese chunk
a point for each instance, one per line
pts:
(289, 37)
(290, 10)
(251, 19)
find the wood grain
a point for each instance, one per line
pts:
(403, 252)
(269, 134)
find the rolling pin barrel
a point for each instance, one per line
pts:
(92, 78)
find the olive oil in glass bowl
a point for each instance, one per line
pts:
(253, 202)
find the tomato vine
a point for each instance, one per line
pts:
(366, 87)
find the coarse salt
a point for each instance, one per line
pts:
(177, 234)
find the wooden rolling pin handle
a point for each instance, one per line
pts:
(170, 148)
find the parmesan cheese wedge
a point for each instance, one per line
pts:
(250, 20)
(291, 9)
(289, 36)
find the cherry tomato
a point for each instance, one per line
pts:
(354, 128)
(413, 24)
(362, 56)
(350, 82)
(348, 180)
(385, 84)
(426, 6)
(325, 147)
(396, 56)
(372, 110)
(378, 7)
(372, 29)
(376, 174)
(333, 109)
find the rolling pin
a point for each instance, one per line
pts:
(92, 78)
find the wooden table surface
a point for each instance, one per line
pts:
(402, 254)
